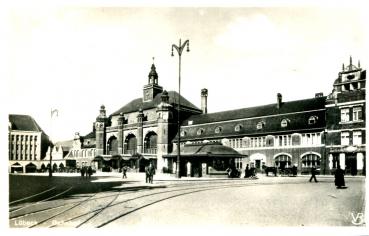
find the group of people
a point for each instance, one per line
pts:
(86, 171)
(339, 177)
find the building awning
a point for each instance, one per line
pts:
(125, 157)
(207, 150)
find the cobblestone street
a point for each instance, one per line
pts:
(109, 201)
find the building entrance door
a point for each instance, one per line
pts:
(258, 165)
(351, 164)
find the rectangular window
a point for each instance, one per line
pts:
(357, 138)
(357, 113)
(345, 115)
(345, 138)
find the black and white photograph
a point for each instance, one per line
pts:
(168, 116)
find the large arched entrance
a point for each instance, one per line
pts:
(130, 144)
(283, 161)
(31, 168)
(150, 144)
(113, 146)
(308, 161)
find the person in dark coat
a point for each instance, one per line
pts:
(151, 171)
(313, 173)
(125, 168)
(83, 171)
(294, 170)
(247, 171)
(89, 171)
(147, 173)
(339, 177)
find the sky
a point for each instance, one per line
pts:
(75, 59)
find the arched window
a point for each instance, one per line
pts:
(130, 144)
(150, 145)
(310, 160)
(282, 161)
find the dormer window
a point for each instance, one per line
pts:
(312, 120)
(285, 123)
(218, 129)
(238, 128)
(260, 125)
(200, 131)
(190, 122)
(183, 133)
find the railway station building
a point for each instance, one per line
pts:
(321, 131)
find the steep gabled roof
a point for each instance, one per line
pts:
(137, 103)
(24, 123)
(265, 110)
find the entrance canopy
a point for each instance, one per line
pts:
(207, 150)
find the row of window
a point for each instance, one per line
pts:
(16, 137)
(285, 161)
(82, 153)
(356, 138)
(260, 125)
(357, 114)
(23, 156)
(306, 139)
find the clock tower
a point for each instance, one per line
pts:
(152, 88)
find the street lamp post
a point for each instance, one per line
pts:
(51, 140)
(179, 50)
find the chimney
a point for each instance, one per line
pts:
(319, 95)
(204, 100)
(279, 100)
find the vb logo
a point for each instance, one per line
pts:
(358, 219)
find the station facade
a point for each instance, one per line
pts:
(322, 131)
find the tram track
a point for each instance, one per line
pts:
(41, 201)
(195, 187)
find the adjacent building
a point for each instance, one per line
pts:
(28, 144)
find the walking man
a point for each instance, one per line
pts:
(151, 170)
(313, 173)
(125, 172)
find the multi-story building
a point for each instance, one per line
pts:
(345, 121)
(28, 144)
(319, 131)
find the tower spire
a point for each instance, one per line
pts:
(358, 64)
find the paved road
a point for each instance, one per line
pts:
(274, 201)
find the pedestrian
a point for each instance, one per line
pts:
(313, 173)
(82, 171)
(294, 170)
(89, 171)
(151, 170)
(339, 177)
(125, 168)
(147, 174)
(247, 172)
